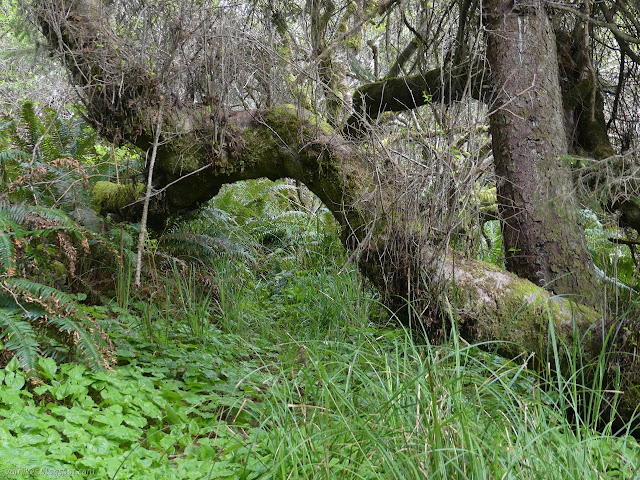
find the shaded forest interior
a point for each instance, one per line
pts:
(466, 170)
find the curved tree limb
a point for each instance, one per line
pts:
(399, 94)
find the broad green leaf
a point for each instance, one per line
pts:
(48, 367)
(135, 420)
(111, 419)
(167, 441)
(99, 445)
(14, 380)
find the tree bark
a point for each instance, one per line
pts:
(397, 94)
(588, 137)
(542, 234)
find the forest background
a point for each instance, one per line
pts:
(240, 338)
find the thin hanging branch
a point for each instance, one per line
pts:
(147, 198)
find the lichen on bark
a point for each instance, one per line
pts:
(543, 238)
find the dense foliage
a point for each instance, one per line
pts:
(253, 348)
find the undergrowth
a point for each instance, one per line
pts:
(287, 370)
(359, 401)
(254, 350)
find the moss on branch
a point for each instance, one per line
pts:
(399, 94)
(109, 197)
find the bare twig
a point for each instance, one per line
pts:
(145, 208)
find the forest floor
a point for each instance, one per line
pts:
(297, 376)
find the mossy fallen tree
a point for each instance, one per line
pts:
(490, 306)
(422, 280)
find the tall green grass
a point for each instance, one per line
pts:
(382, 406)
(343, 396)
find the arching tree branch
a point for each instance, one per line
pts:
(440, 85)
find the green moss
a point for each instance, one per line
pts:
(58, 269)
(185, 156)
(343, 25)
(354, 42)
(518, 312)
(112, 197)
(288, 116)
(352, 8)
(190, 163)
(302, 91)
(579, 93)
(259, 149)
(282, 110)
(487, 198)
(316, 121)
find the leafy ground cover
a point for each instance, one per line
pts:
(276, 399)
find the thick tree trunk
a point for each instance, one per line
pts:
(588, 137)
(398, 256)
(543, 238)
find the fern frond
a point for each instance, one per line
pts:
(19, 337)
(493, 238)
(201, 245)
(10, 161)
(65, 134)
(52, 144)
(87, 341)
(52, 299)
(20, 214)
(8, 225)
(293, 215)
(15, 212)
(279, 187)
(31, 313)
(85, 142)
(216, 215)
(55, 215)
(50, 149)
(62, 312)
(32, 122)
(227, 202)
(7, 254)
(6, 124)
(13, 156)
